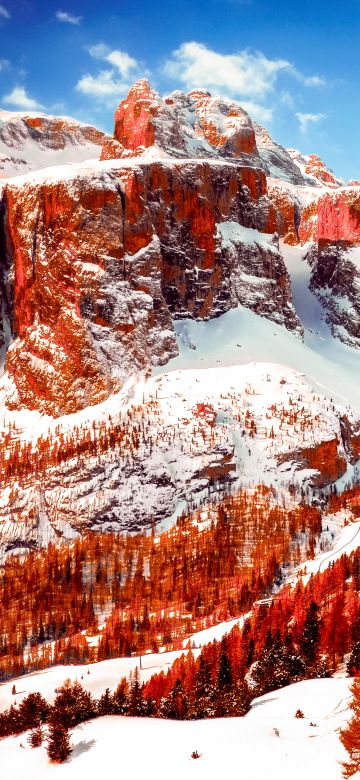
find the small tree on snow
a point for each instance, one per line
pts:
(58, 743)
(35, 738)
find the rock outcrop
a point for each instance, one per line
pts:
(335, 280)
(182, 125)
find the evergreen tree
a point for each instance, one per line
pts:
(135, 696)
(350, 735)
(309, 641)
(202, 705)
(353, 664)
(35, 737)
(73, 705)
(106, 704)
(121, 698)
(224, 675)
(276, 666)
(33, 710)
(58, 743)
(175, 706)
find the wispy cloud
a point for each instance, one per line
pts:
(19, 98)
(109, 84)
(306, 120)
(4, 12)
(64, 16)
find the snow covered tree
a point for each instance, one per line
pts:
(350, 735)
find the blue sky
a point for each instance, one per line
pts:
(294, 66)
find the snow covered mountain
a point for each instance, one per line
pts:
(193, 243)
(29, 141)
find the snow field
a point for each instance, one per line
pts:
(269, 742)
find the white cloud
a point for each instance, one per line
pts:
(102, 86)
(64, 16)
(246, 73)
(111, 83)
(308, 119)
(4, 12)
(4, 64)
(20, 99)
(120, 60)
(248, 76)
(313, 81)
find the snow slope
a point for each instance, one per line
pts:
(268, 743)
(239, 336)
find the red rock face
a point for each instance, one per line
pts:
(134, 119)
(216, 128)
(284, 213)
(83, 323)
(315, 167)
(102, 262)
(323, 457)
(339, 216)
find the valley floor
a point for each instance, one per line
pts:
(269, 742)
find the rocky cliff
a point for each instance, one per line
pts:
(103, 258)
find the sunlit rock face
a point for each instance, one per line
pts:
(182, 125)
(101, 262)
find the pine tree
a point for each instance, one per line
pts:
(35, 737)
(73, 704)
(33, 710)
(135, 696)
(309, 641)
(224, 676)
(121, 698)
(203, 695)
(350, 735)
(175, 706)
(353, 664)
(58, 743)
(106, 705)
